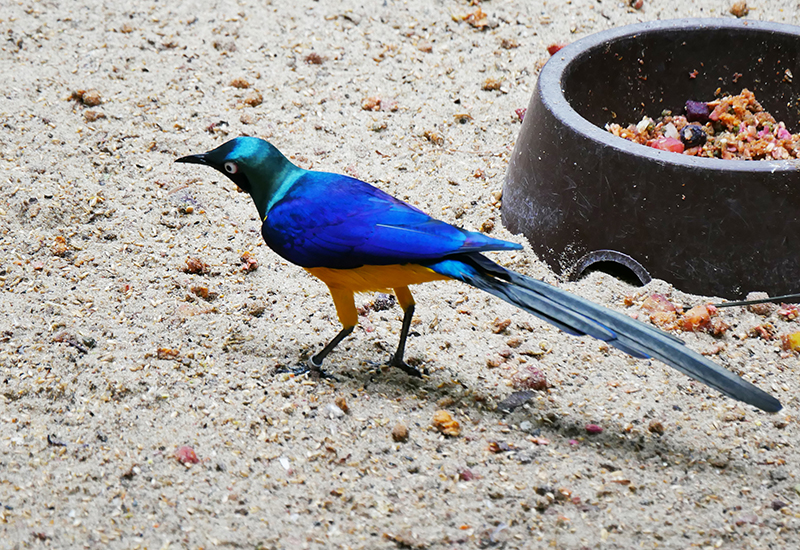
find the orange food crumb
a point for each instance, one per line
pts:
(445, 423)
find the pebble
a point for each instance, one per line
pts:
(186, 455)
(764, 309)
(400, 432)
(530, 378)
(740, 9)
(240, 82)
(341, 403)
(656, 427)
(334, 411)
(719, 461)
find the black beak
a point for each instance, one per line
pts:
(195, 159)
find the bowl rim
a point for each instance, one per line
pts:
(552, 92)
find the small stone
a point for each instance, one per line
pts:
(382, 302)
(376, 103)
(529, 378)
(445, 401)
(91, 98)
(60, 247)
(514, 342)
(466, 475)
(400, 432)
(508, 43)
(491, 84)
(433, 137)
(516, 399)
(778, 474)
(342, 404)
(167, 354)
(764, 309)
(499, 447)
(745, 519)
(594, 429)
(203, 292)
(500, 325)
(249, 262)
(332, 410)
(314, 59)
(719, 461)
(195, 266)
(739, 9)
(254, 98)
(494, 361)
(240, 82)
(91, 116)
(378, 125)
(656, 427)
(186, 455)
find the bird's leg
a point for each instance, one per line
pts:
(348, 316)
(314, 365)
(407, 303)
(316, 361)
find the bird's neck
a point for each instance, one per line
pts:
(277, 178)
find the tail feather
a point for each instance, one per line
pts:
(578, 316)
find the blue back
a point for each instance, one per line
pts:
(334, 221)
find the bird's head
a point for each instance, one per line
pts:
(251, 163)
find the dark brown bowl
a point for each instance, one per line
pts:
(709, 226)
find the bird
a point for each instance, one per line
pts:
(356, 238)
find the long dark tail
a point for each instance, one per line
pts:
(578, 316)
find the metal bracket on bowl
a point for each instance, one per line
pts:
(609, 256)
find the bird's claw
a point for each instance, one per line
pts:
(314, 372)
(377, 367)
(405, 367)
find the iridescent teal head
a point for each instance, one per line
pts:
(253, 164)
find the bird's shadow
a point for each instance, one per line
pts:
(546, 419)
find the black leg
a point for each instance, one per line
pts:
(316, 361)
(314, 366)
(397, 358)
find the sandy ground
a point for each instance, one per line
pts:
(112, 356)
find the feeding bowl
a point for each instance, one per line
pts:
(585, 197)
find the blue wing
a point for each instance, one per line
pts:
(330, 220)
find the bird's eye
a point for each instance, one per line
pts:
(231, 167)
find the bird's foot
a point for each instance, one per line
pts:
(310, 368)
(405, 367)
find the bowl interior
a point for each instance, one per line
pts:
(629, 77)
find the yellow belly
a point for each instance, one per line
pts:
(375, 278)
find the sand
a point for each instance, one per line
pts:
(113, 357)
